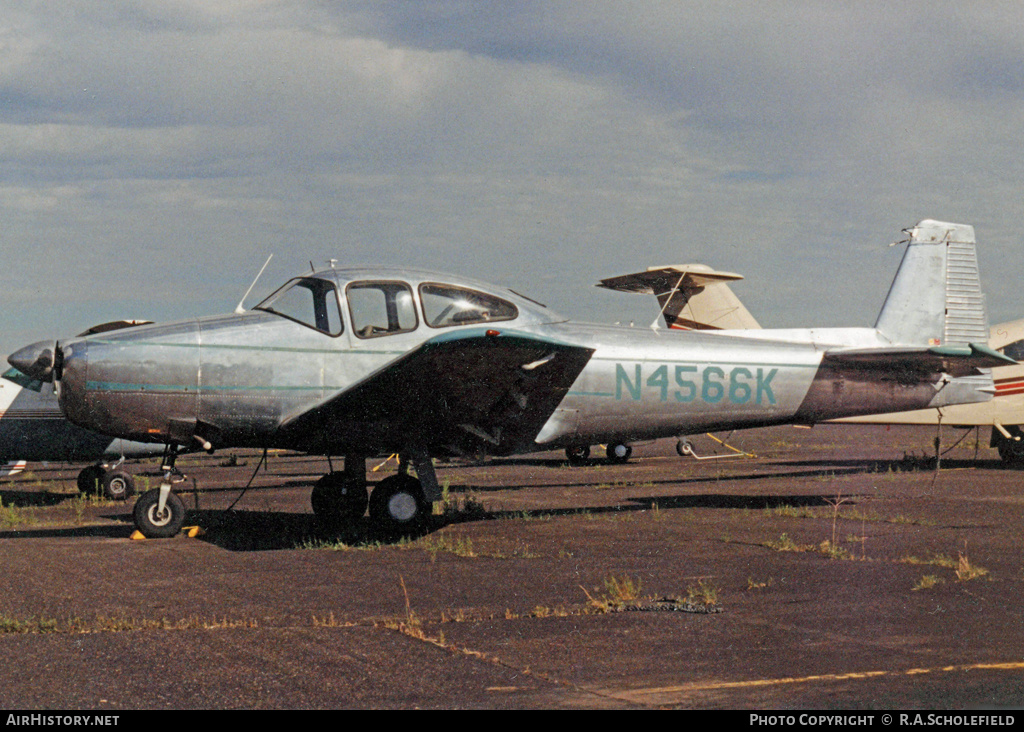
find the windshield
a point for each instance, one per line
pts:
(307, 300)
(446, 305)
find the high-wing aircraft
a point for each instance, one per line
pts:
(691, 296)
(694, 296)
(358, 362)
(32, 428)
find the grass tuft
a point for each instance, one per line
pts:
(965, 571)
(927, 582)
(702, 594)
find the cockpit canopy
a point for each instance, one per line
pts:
(375, 307)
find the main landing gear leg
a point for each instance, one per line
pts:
(160, 514)
(340, 498)
(401, 504)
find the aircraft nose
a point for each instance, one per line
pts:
(35, 361)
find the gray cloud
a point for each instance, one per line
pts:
(154, 153)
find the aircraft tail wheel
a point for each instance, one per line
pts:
(118, 485)
(618, 452)
(336, 500)
(397, 505)
(154, 524)
(684, 448)
(90, 480)
(577, 454)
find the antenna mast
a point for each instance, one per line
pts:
(240, 309)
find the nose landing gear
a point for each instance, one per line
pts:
(159, 514)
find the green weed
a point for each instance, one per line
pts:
(965, 571)
(927, 582)
(702, 594)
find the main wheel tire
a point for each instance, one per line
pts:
(336, 500)
(618, 452)
(90, 480)
(398, 506)
(577, 454)
(154, 524)
(1011, 451)
(118, 485)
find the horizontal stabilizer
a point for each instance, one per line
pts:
(954, 360)
(466, 391)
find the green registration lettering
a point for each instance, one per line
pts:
(691, 388)
(621, 377)
(739, 385)
(712, 391)
(764, 385)
(659, 380)
(739, 391)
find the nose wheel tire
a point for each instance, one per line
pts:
(118, 485)
(338, 500)
(398, 506)
(155, 524)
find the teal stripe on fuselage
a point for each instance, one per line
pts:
(116, 386)
(238, 347)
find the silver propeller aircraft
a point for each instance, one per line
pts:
(359, 362)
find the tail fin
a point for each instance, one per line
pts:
(936, 298)
(691, 296)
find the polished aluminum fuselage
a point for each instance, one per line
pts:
(32, 427)
(235, 379)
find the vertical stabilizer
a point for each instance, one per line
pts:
(936, 298)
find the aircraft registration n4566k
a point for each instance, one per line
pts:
(358, 362)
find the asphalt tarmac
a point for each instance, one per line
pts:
(833, 568)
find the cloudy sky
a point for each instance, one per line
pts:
(153, 154)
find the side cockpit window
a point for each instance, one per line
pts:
(1014, 350)
(381, 308)
(447, 305)
(307, 300)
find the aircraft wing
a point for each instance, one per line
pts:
(958, 360)
(691, 296)
(462, 392)
(659, 280)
